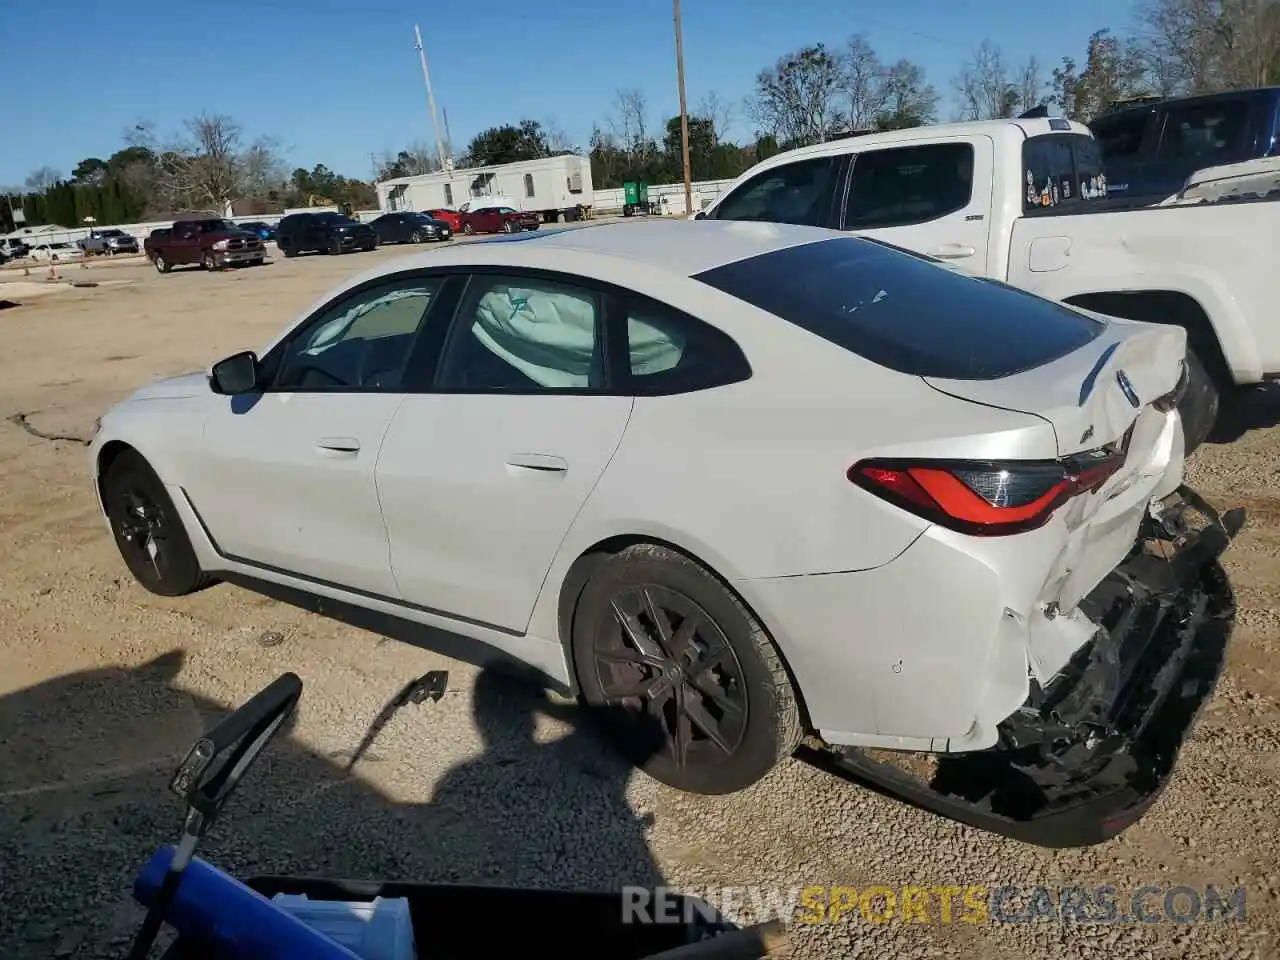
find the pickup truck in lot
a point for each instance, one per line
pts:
(1025, 202)
(211, 242)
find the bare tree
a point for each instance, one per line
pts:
(558, 141)
(864, 83)
(984, 86)
(719, 112)
(1199, 46)
(42, 179)
(796, 100)
(631, 125)
(1032, 87)
(262, 169)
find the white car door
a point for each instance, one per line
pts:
(288, 472)
(933, 198)
(481, 479)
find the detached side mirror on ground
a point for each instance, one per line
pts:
(236, 374)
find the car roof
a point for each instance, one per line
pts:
(682, 247)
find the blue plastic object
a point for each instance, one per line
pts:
(232, 919)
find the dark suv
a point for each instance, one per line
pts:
(323, 233)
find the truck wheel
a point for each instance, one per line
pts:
(686, 680)
(208, 262)
(1199, 407)
(335, 247)
(162, 264)
(468, 229)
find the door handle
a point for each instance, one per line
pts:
(338, 445)
(543, 462)
(953, 251)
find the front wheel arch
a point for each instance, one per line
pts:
(580, 571)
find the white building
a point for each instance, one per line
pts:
(553, 187)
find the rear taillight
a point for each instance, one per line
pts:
(983, 498)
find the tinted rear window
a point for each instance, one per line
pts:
(905, 312)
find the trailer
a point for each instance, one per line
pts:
(557, 189)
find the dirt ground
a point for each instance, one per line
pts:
(103, 685)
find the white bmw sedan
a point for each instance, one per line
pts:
(753, 482)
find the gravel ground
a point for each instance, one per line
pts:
(102, 686)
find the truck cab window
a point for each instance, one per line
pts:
(908, 185)
(797, 192)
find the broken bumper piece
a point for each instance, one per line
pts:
(1087, 755)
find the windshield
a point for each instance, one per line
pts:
(332, 218)
(904, 311)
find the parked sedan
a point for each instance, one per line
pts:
(498, 220)
(410, 228)
(739, 482)
(452, 217)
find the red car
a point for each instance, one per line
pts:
(452, 217)
(498, 220)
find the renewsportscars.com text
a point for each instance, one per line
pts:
(944, 904)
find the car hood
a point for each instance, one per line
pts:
(174, 388)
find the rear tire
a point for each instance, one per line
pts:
(161, 264)
(715, 710)
(148, 531)
(468, 229)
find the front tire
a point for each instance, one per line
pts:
(208, 262)
(148, 531)
(688, 682)
(508, 226)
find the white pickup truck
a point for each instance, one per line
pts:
(1025, 202)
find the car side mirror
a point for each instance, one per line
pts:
(236, 374)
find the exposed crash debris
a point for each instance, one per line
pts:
(21, 420)
(1091, 751)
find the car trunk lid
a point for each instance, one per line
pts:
(1093, 395)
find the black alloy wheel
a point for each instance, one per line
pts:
(147, 530)
(666, 657)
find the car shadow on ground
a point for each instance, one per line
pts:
(74, 828)
(1254, 408)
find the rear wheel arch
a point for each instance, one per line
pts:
(580, 571)
(1171, 307)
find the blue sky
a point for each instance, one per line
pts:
(336, 80)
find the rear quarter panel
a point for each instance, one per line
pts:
(1222, 255)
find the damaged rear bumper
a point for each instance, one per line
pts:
(1091, 751)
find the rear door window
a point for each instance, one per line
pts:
(902, 186)
(799, 192)
(904, 311)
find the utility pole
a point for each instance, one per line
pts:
(431, 97)
(684, 115)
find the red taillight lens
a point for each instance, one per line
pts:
(982, 498)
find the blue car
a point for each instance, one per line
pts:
(265, 231)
